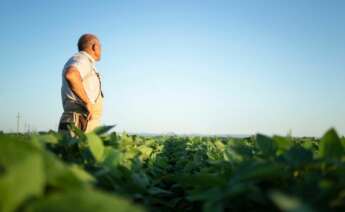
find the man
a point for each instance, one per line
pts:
(81, 92)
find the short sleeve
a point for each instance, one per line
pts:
(81, 64)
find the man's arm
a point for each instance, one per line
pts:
(73, 78)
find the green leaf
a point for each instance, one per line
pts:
(81, 174)
(309, 144)
(220, 146)
(211, 194)
(210, 206)
(158, 191)
(200, 180)
(330, 146)
(238, 189)
(22, 176)
(266, 145)
(96, 146)
(343, 141)
(47, 138)
(298, 156)
(103, 129)
(258, 171)
(145, 151)
(83, 201)
(282, 143)
(112, 157)
(288, 203)
(61, 176)
(237, 151)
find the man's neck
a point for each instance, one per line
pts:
(90, 55)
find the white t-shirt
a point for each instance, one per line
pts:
(85, 64)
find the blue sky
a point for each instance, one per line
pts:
(237, 67)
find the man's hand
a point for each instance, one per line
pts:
(89, 107)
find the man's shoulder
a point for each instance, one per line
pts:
(77, 59)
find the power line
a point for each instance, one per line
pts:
(18, 121)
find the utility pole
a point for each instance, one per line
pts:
(18, 122)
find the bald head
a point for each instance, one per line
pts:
(86, 41)
(90, 44)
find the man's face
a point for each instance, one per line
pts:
(97, 51)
